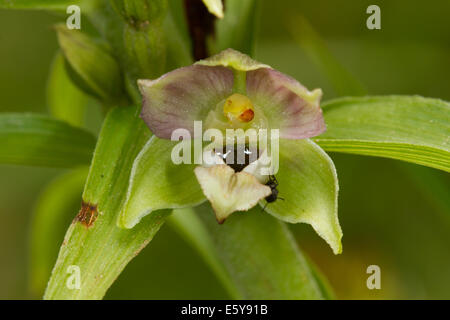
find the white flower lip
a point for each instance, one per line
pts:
(230, 191)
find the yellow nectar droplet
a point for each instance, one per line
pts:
(238, 107)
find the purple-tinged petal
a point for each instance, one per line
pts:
(182, 96)
(198, 93)
(287, 105)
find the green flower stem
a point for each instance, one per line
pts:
(144, 43)
(51, 215)
(94, 243)
(240, 82)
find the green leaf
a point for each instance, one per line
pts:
(178, 44)
(324, 286)
(261, 257)
(408, 128)
(192, 229)
(309, 186)
(433, 185)
(37, 4)
(157, 183)
(344, 83)
(91, 66)
(50, 214)
(65, 101)
(237, 29)
(38, 140)
(93, 242)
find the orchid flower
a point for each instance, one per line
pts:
(232, 91)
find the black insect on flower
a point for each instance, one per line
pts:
(272, 183)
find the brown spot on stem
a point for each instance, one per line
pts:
(87, 215)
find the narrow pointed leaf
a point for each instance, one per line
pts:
(93, 242)
(156, 182)
(408, 128)
(65, 101)
(51, 217)
(261, 257)
(38, 140)
(309, 186)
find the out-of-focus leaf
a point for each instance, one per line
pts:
(187, 223)
(156, 272)
(237, 29)
(261, 257)
(157, 183)
(344, 83)
(91, 65)
(50, 214)
(434, 186)
(178, 44)
(37, 4)
(309, 186)
(194, 231)
(387, 219)
(324, 286)
(408, 128)
(215, 7)
(93, 242)
(65, 101)
(38, 140)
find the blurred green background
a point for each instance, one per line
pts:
(395, 215)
